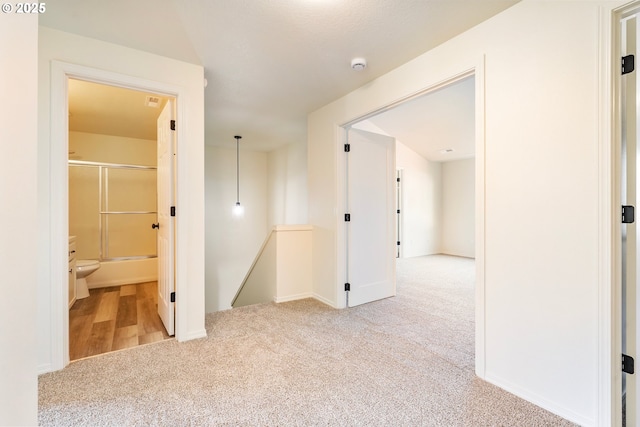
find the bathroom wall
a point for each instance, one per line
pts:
(112, 149)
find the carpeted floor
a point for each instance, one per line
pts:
(403, 361)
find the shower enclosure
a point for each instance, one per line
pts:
(111, 210)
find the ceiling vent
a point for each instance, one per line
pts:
(152, 101)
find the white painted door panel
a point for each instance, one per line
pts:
(166, 280)
(371, 205)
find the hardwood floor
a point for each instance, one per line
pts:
(115, 318)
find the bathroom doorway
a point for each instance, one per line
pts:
(113, 215)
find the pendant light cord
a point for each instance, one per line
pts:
(237, 169)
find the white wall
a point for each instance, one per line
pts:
(541, 286)
(287, 169)
(293, 280)
(273, 189)
(92, 147)
(114, 62)
(232, 243)
(18, 190)
(421, 210)
(458, 206)
(282, 270)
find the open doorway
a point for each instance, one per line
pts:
(439, 185)
(435, 158)
(115, 193)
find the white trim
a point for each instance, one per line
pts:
(295, 297)
(295, 227)
(192, 335)
(480, 194)
(477, 70)
(609, 383)
(323, 300)
(59, 226)
(60, 72)
(341, 234)
(540, 401)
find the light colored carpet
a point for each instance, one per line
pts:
(403, 361)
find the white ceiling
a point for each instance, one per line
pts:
(270, 63)
(440, 125)
(108, 110)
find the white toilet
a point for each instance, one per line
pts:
(84, 267)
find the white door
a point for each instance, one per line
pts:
(166, 153)
(371, 243)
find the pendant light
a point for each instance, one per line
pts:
(238, 209)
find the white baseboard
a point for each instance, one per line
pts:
(293, 297)
(194, 335)
(44, 368)
(324, 300)
(540, 401)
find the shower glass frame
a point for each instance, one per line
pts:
(103, 206)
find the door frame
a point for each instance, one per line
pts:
(400, 210)
(610, 181)
(478, 71)
(59, 190)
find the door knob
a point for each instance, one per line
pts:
(155, 225)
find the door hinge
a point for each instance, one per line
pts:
(347, 148)
(173, 211)
(347, 287)
(397, 179)
(347, 217)
(398, 242)
(173, 297)
(628, 214)
(173, 125)
(628, 64)
(627, 364)
(398, 211)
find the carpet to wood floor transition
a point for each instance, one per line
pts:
(402, 361)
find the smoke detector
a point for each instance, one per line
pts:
(358, 64)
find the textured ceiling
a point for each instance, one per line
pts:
(440, 125)
(270, 63)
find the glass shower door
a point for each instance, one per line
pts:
(129, 210)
